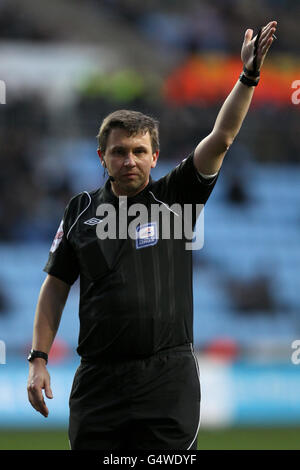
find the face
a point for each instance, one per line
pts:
(129, 160)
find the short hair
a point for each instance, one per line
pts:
(133, 122)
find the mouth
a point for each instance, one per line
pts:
(130, 175)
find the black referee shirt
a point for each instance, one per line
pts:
(136, 296)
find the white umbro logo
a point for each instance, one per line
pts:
(93, 221)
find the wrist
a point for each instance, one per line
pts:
(35, 354)
(248, 81)
(252, 74)
(38, 361)
(249, 76)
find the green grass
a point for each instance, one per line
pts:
(250, 439)
(34, 440)
(229, 439)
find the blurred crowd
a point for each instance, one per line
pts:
(28, 132)
(209, 24)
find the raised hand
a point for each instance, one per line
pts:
(252, 53)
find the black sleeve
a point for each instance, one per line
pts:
(185, 185)
(62, 262)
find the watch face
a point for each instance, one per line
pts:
(31, 356)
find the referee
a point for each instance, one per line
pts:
(137, 385)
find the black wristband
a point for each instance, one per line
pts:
(248, 81)
(251, 73)
(33, 354)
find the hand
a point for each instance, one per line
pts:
(38, 380)
(264, 43)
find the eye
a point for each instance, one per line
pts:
(118, 151)
(140, 150)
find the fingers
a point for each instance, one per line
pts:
(268, 30)
(48, 391)
(265, 47)
(265, 41)
(248, 36)
(271, 23)
(266, 38)
(36, 398)
(257, 46)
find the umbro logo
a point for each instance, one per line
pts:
(93, 221)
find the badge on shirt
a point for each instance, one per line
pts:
(57, 238)
(146, 235)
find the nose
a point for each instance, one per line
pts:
(129, 161)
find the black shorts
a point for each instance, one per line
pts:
(147, 404)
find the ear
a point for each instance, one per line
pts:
(154, 159)
(101, 157)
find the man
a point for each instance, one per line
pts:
(137, 386)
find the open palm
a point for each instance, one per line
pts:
(264, 42)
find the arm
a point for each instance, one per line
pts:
(210, 152)
(51, 302)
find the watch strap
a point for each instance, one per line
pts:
(34, 353)
(248, 81)
(251, 73)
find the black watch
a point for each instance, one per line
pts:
(33, 354)
(248, 81)
(251, 73)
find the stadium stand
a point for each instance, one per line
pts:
(48, 152)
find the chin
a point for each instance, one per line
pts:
(133, 187)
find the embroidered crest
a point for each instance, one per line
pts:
(146, 235)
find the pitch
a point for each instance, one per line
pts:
(225, 439)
